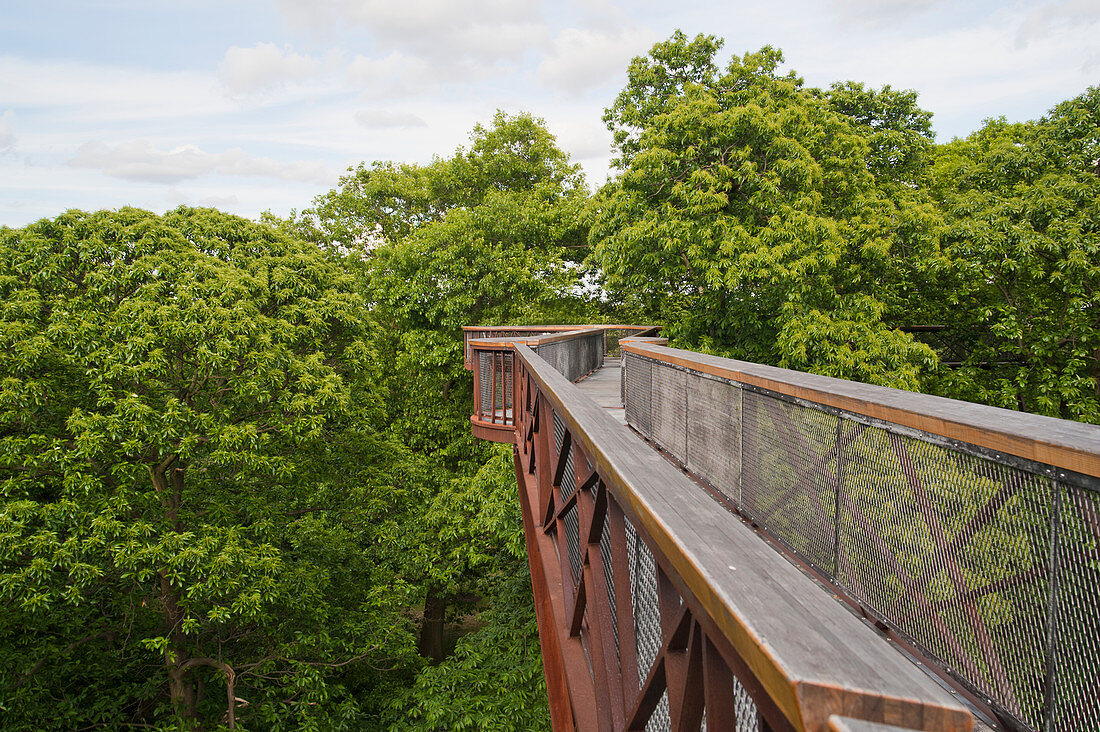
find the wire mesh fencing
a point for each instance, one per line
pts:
(990, 564)
(574, 357)
(603, 569)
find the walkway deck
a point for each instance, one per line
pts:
(602, 387)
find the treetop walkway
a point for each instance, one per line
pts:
(687, 518)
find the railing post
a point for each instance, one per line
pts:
(1050, 690)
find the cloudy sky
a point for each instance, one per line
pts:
(253, 105)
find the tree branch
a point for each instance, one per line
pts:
(230, 683)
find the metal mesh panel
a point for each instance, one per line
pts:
(638, 393)
(572, 541)
(506, 395)
(744, 709)
(609, 576)
(485, 383)
(565, 490)
(954, 550)
(553, 354)
(572, 526)
(568, 478)
(622, 380)
(1076, 631)
(575, 357)
(643, 595)
(669, 407)
(790, 475)
(661, 719)
(559, 433)
(714, 434)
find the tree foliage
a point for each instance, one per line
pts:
(493, 234)
(747, 216)
(192, 477)
(1023, 239)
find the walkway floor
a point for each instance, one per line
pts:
(602, 387)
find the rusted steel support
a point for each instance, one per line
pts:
(570, 696)
(553, 663)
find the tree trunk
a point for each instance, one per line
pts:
(180, 687)
(431, 627)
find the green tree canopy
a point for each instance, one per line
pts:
(192, 477)
(747, 216)
(1023, 207)
(494, 233)
(515, 157)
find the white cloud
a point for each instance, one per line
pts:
(963, 74)
(401, 75)
(139, 160)
(109, 93)
(492, 42)
(381, 119)
(7, 135)
(442, 30)
(878, 12)
(1058, 17)
(219, 201)
(582, 59)
(264, 66)
(393, 75)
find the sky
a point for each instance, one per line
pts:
(260, 105)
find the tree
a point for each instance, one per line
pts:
(507, 254)
(495, 233)
(494, 678)
(192, 471)
(898, 131)
(1021, 287)
(515, 157)
(748, 220)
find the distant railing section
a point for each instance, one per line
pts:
(972, 533)
(659, 610)
(573, 350)
(574, 355)
(479, 332)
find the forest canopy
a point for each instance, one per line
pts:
(237, 482)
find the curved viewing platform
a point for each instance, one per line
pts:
(720, 543)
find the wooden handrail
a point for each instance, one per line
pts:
(535, 340)
(469, 332)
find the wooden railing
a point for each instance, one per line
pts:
(526, 333)
(971, 534)
(574, 350)
(658, 608)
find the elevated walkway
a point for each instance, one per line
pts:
(956, 537)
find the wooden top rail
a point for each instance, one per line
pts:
(1067, 445)
(482, 333)
(578, 331)
(554, 328)
(813, 658)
